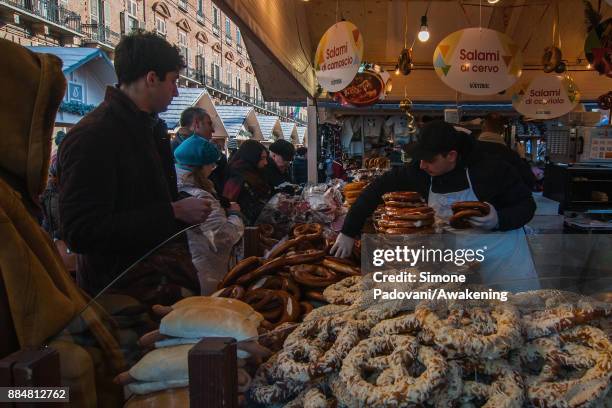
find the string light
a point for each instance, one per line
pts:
(424, 33)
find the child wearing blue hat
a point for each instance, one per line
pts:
(216, 244)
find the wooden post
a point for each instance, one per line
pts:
(252, 246)
(213, 381)
(31, 368)
(312, 143)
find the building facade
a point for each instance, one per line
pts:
(209, 41)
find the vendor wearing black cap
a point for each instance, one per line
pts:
(276, 172)
(447, 168)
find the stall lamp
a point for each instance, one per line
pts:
(424, 33)
(397, 70)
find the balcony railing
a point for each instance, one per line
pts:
(100, 33)
(50, 11)
(239, 48)
(216, 29)
(215, 84)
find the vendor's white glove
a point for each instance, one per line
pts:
(488, 222)
(343, 247)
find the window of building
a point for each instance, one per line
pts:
(132, 24)
(160, 25)
(238, 37)
(201, 8)
(132, 7)
(182, 4)
(228, 29)
(215, 20)
(94, 12)
(215, 66)
(238, 82)
(183, 46)
(228, 75)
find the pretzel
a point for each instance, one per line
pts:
(551, 58)
(563, 316)
(385, 223)
(314, 295)
(459, 220)
(404, 324)
(471, 205)
(605, 101)
(314, 276)
(342, 266)
(407, 231)
(392, 358)
(345, 292)
(232, 291)
(475, 331)
(305, 308)
(316, 348)
(277, 283)
(243, 267)
(355, 186)
(266, 230)
(506, 388)
(243, 380)
(352, 194)
(316, 396)
(278, 305)
(403, 196)
(584, 350)
(268, 387)
(288, 260)
(312, 231)
(286, 246)
(415, 213)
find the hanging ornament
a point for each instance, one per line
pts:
(405, 61)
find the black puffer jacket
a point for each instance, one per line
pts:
(493, 181)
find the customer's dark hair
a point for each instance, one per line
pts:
(249, 152)
(190, 114)
(141, 52)
(494, 122)
(301, 151)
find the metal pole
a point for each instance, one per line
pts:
(312, 144)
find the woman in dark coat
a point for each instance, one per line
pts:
(245, 183)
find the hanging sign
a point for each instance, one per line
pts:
(546, 97)
(366, 89)
(338, 56)
(478, 61)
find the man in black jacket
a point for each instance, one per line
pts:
(446, 162)
(118, 192)
(279, 160)
(491, 142)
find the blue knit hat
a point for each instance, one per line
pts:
(196, 151)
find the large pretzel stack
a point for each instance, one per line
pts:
(289, 282)
(352, 353)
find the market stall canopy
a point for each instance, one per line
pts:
(187, 98)
(301, 131)
(282, 35)
(270, 127)
(237, 119)
(289, 131)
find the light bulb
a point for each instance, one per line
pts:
(493, 1)
(424, 33)
(397, 70)
(589, 66)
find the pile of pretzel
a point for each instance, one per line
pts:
(376, 163)
(404, 212)
(352, 353)
(289, 282)
(266, 236)
(352, 191)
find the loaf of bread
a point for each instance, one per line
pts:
(232, 304)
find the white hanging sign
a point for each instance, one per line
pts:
(546, 97)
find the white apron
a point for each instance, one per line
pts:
(508, 264)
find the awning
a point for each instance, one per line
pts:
(189, 97)
(238, 118)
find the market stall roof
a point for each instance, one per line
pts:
(192, 97)
(289, 131)
(270, 127)
(236, 117)
(75, 57)
(282, 35)
(301, 131)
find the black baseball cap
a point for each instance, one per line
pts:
(436, 137)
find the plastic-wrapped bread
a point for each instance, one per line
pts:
(217, 302)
